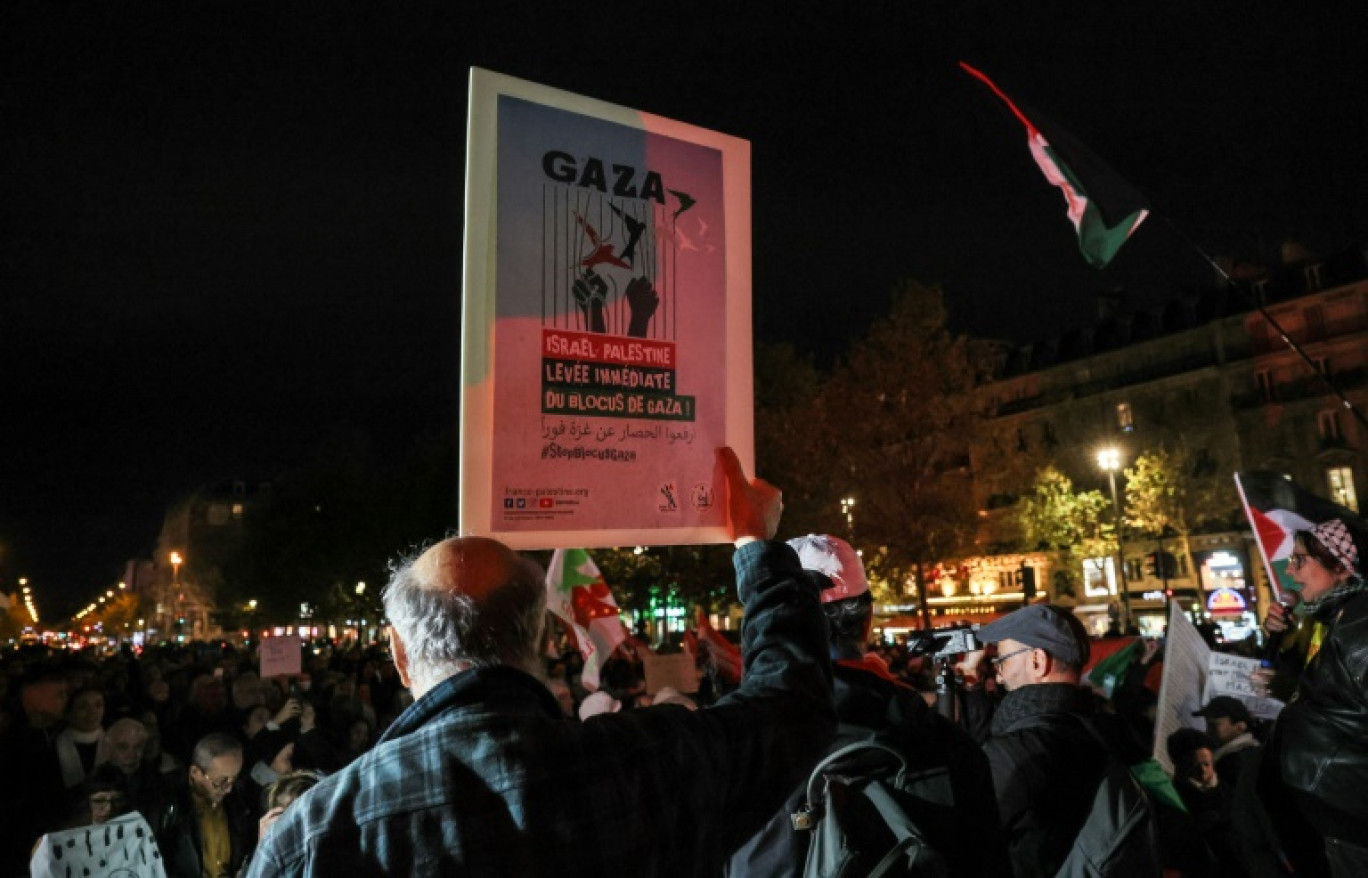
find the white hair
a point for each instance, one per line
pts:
(445, 631)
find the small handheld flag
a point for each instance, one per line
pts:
(1104, 209)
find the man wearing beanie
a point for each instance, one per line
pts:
(873, 704)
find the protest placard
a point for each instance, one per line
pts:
(1186, 656)
(676, 671)
(120, 848)
(606, 336)
(1229, 675)
(280, 657)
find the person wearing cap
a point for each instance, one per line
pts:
(1046, 764)
(1318, 749)
(483, 776)
(1237, 756)
(1228, 723)
(872, 703)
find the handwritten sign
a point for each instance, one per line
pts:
(676, 671)
(607, 337)
(1229, 675)
(280, 657)
(121, 848)
(1186, 657)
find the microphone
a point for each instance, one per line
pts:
(1273, 645)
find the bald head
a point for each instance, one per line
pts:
(474, 566)
(465, 602)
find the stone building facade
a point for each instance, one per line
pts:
(1208, 372)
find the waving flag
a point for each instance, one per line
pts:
(578, 595)
(1103, 207)
(723, 652)
(1277, 509)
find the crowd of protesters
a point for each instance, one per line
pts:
(214, 757)
(88, 736)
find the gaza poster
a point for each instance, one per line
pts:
(606, 336)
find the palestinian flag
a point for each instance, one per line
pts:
(578, 595)
(1103, 207)
(1277, 509)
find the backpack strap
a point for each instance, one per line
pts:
(837, 756)
(906, 834)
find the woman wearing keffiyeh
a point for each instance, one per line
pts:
(1319, 746)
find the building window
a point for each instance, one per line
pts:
(1341, 482)
(1312, 273)
(1125, 419)
(1327, 422)
(1263, 379)
(237, 510)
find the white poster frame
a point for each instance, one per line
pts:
(489, 417)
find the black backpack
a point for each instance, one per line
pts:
(860, 808)
(1120, 835)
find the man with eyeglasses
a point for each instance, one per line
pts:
(1045, 761)
(206, 827)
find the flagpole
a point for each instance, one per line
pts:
(1282, 333)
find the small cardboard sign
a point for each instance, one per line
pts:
(676, 671)
(280, 657)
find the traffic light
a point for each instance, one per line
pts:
(1152, 565)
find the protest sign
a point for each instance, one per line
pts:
(120, 848)
(280, 657)
(1186, 657)
(676, 670)
(606, 336)
(1229, 675)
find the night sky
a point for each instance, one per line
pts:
(229, 229)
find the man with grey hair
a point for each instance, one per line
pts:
(205, 825)
(483, 775)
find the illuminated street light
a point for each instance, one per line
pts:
(360, 588)
(1109, 460)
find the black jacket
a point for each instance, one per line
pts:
(1319, 741)
(178, 832)
(873, 704)
(482, 776)
(1046, 767)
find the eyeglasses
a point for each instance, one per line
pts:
(222, 784)
(1297, 560)
(997, 660)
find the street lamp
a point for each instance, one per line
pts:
(1109, 459)
(176, 562)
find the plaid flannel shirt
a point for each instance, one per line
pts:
(481, 776)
